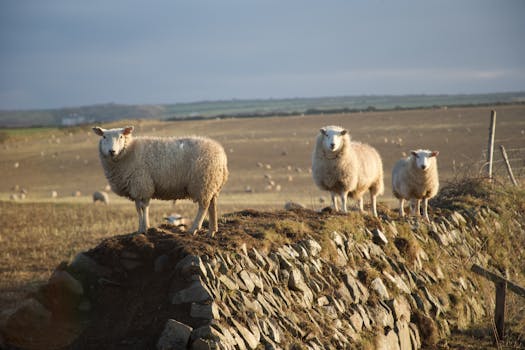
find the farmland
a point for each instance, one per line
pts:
(38, 232)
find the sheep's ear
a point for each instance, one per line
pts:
(344, 132)
(127, 130)
(98, 130)
(323, 131)
(434, 154)
(413, 153)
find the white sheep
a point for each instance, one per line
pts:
(346, 168)
(100, 196)
(415, 178)
(172, 168)
(176, 219)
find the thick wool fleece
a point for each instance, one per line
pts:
(168, 168)
(355, 169)
(411, 182)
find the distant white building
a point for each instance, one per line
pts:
(73, 119)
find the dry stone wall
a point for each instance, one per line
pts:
(294, 296)
(401, 286)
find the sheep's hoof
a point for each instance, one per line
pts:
(211, 234)
(193, 232)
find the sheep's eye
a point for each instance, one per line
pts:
(103, 136)
(120, 136)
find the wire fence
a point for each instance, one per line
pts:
(516, 159)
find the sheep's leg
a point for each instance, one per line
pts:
(401, 207)
(140, 212)
(197, 223)
(212, 216)
(425, 209)
(415, 204)
(145, 214)
(373, 201)
(343, 202)
(334, 201)
(361, 204)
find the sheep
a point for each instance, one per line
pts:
(174, 219)
(100, 196)
(346, 168)
(415, 178)
(167, 168)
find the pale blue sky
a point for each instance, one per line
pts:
(58, 53)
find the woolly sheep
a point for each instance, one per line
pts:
(415, 178)
(346, 168)
(100, 196)
(143, 168)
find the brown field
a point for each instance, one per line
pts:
(66, 160)
(38, 232)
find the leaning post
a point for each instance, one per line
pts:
(507, 163)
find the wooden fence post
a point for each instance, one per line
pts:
(490, 151)
(501, 283)
(507, 163)
(499, 312)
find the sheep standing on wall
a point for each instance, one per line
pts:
(143, 168)
(346, 168)
(415, 178)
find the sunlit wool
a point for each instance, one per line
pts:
(346, 168)
(169, 168)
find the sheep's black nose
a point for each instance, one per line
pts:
(112, 153)
(332, 145)
(423, 167)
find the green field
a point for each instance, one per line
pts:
(249, 108)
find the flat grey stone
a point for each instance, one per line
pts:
(246, 334)
(378, 237)
(247, 280)
(379, 287)
(228, 282)
(296, 281)
(403, 333)
(83, 263)
(201, 344)
(190, 265)
(206, 311)
(196, 292)
(314, 248)
(176, 335)
(64, 280)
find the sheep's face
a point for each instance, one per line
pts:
(113, 141)
(333, 139)
(423, 158)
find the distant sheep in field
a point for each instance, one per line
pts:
(54, 194)
(176, 220)
(143, 168)
(346, 168)
(415, 178)
(100, 196)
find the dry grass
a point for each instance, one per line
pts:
(503, 240)
(35, 238)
